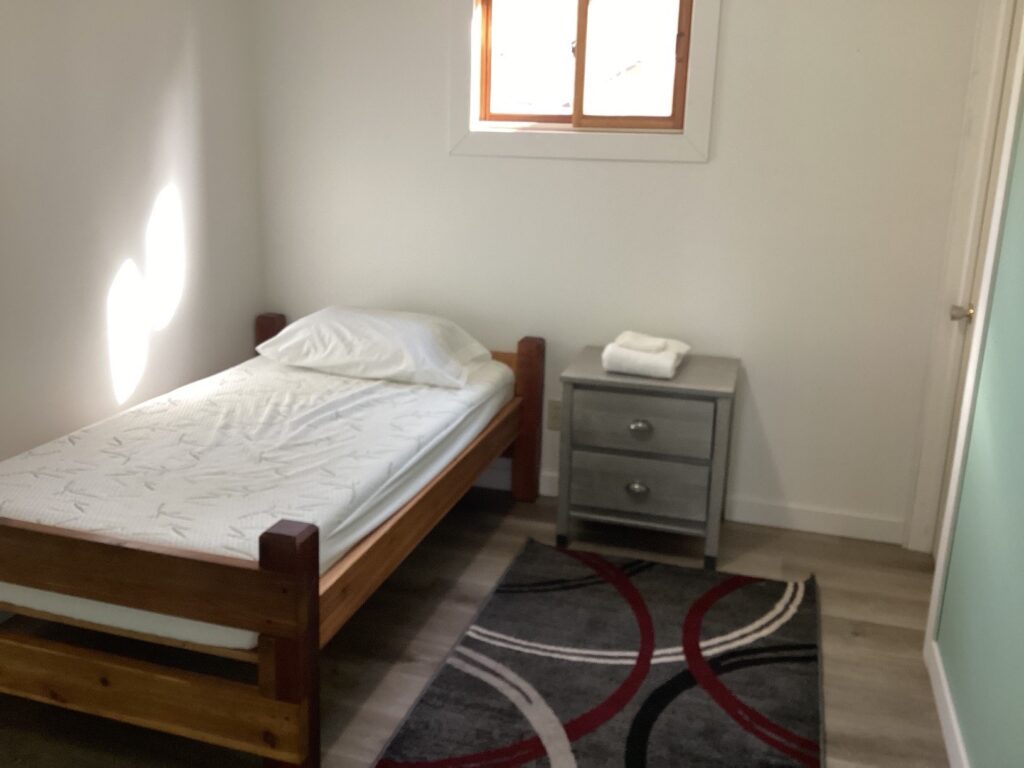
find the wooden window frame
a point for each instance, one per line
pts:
(578, 119)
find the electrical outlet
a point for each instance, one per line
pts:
(555, 415)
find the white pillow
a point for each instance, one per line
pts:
(379, 344)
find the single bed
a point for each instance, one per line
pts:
(247, 515)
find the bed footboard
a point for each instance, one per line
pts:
(278, 719)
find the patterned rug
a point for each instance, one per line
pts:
(582, 660)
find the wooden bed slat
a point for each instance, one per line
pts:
(210, 590)
(209, 709)
(26, 614)
(508, 358)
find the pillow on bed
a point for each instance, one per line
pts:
(379, 344)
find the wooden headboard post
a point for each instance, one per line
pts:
(530, 387)
(268, 325)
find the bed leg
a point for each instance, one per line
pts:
(289, 670)
(526, 449)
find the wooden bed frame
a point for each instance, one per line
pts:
(282, 597)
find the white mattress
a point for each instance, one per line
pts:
(212, 465)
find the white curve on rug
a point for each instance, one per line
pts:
(770, 622)
(528, 701)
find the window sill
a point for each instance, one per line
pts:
(539, 140)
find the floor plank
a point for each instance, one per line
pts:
(878, 705)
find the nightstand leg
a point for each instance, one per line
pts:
(563, 525)
(719, 466)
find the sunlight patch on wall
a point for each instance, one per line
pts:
(127, 330)
(140, 304)
(165, 257)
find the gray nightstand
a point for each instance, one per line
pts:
(647, 453)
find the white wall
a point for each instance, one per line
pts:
(811, 245)
(101, 104)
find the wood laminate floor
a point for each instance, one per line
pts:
(879, 709)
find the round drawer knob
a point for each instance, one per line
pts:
(637, 489)
(640, 428)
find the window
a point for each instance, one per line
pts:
(611, 64)
(531, 101)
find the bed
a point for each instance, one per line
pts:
(267, 504)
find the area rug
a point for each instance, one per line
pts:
(583, 660)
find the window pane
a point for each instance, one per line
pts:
(631, 57)
(532, 63)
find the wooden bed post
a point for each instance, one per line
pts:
(268, 325)
(526, 450)
(289, 670)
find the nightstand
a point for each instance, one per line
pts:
(647, 453)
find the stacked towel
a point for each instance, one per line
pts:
(642, 355)
(641, 342)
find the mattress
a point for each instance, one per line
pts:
(211, 466)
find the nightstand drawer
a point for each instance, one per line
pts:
(646, 486)
(666, 425)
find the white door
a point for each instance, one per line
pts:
(986, 115)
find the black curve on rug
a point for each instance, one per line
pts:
(631, 568)
(663, 696)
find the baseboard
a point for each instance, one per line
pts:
(956, 750)
(498, 477)
(853, 525)
(549, 483)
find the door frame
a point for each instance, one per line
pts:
(1013, 87)
(973, 196)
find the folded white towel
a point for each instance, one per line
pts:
(655, 365)
(642, 342)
